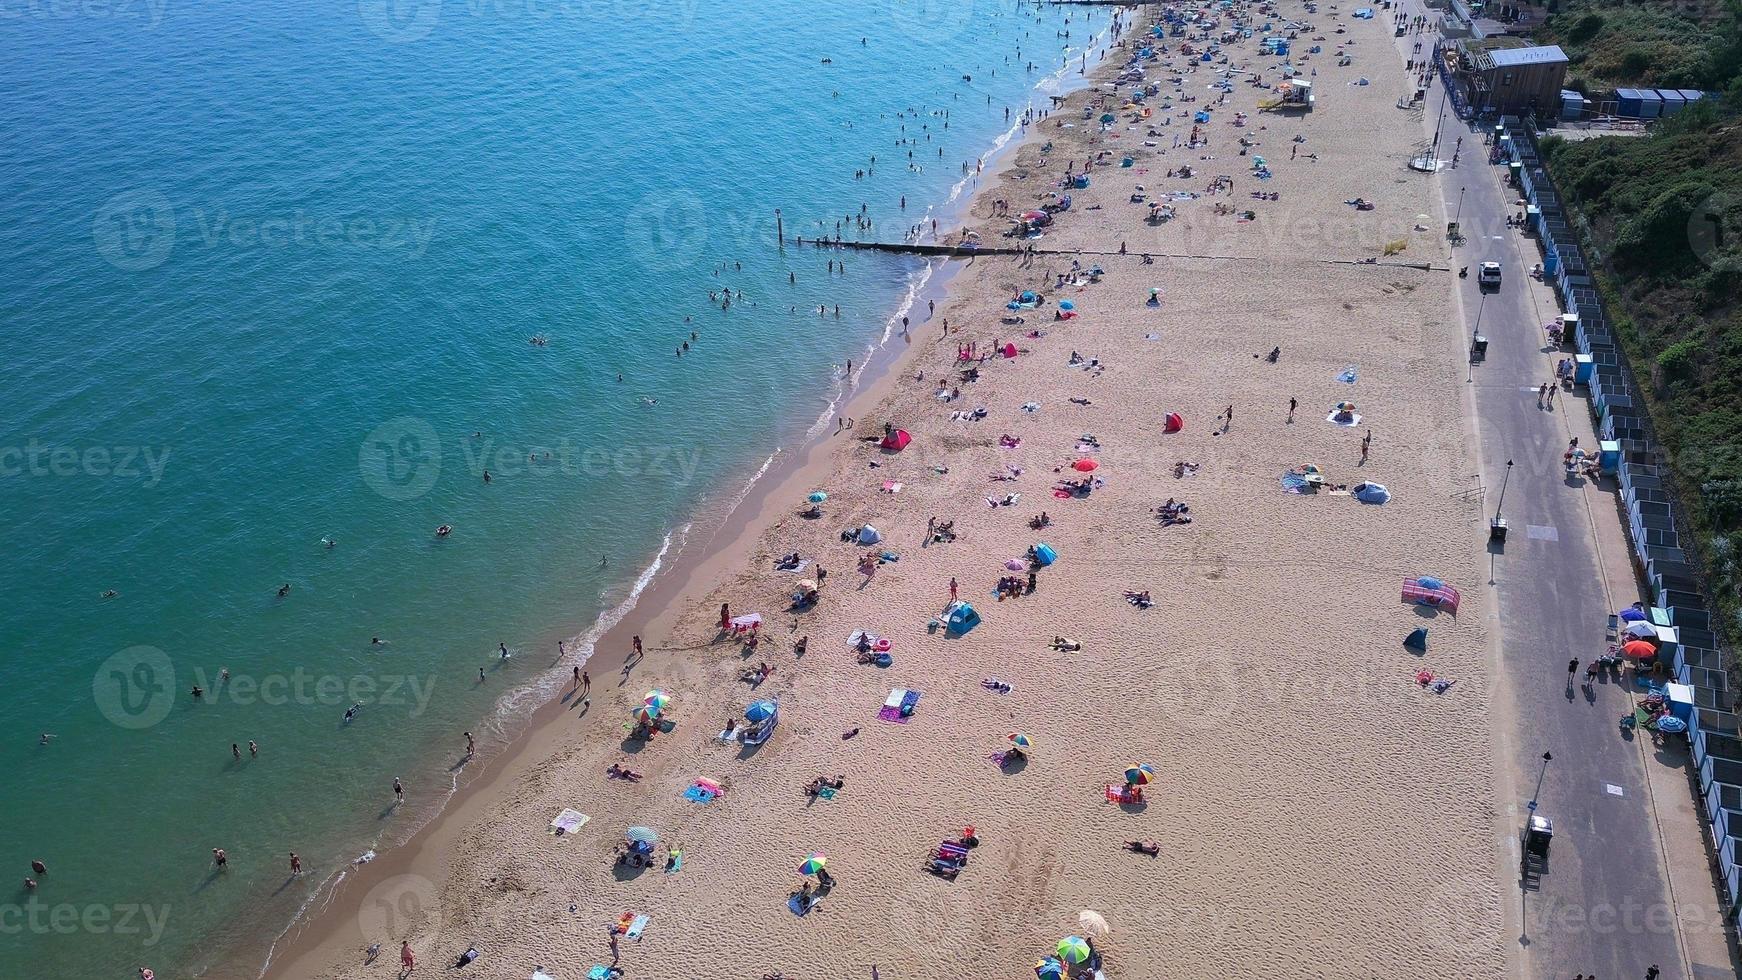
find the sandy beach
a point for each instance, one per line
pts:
(1319, 811)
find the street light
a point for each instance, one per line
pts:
(1497, 526)
(1547, 757)
(1460, 212)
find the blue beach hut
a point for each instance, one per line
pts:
(960, 618)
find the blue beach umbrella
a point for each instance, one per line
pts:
(818, 497)
(759, 711)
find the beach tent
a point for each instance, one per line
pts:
(1429, 591)
(1371, 493)
(1044, 555)
(961, 618)
(869, 535)
(1009, 349)
(764, 715)
(1174, 422)
(896, 441)
(1417, 638)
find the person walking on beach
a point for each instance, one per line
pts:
(295, 864)
(1291, 406)
(471, 745)
(480, 675)
(952, 588)
(586, 683)
(577, 672)
(1572, 668)
(398, 791)
(221, 859)
(1366, 442)
(635, 641)
(407, 962)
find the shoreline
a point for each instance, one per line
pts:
(419, 868)
(700, 558)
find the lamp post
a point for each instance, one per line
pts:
(1547, 757)
(1460, 212)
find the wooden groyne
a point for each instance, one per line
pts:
(959, 252)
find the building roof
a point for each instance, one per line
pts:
(1514, 57)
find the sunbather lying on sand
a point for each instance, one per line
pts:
(817, 785)
(1182, 469)
(1149, 847)
(618, 772)
(1139, 599)
(1065, 643)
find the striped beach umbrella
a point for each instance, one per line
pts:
(656, 699)
(642, 835)
(1073, 949)
(1020, 740)
(646, 714)
(1139, 775)
(1049, 968)
(812, 864)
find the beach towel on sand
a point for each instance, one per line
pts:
(800, 906)
(898, 707)
(1354, 419)
(568, 821)
(636, 927)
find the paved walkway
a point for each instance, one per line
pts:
(1628, 884)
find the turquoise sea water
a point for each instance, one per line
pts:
(273, 272)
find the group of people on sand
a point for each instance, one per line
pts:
(1174, 512)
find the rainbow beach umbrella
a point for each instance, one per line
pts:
(646, 714)
(656, 699)
(812, 864)
(1073, 949)
(1020, 740)
(1139, 775)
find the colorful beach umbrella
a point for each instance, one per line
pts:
(1638, 649)
(1073, 949)
(656, 699)
(818, 497)
(812, 864)
(642, 835)
(646, 714)
(1085, 466)
(1020, 740)
(1139, 775)
(1049, 968)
